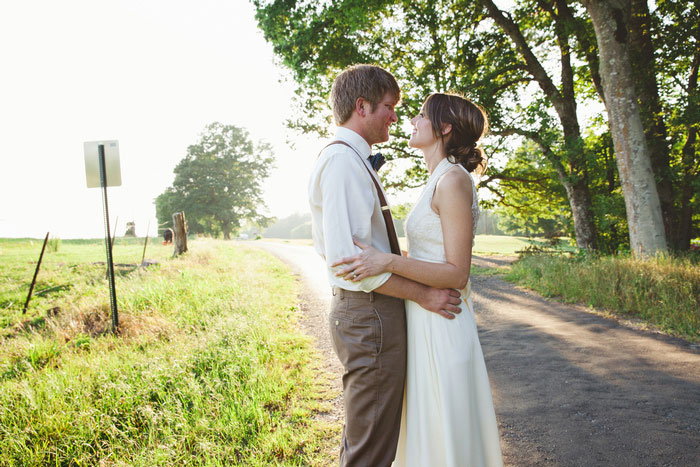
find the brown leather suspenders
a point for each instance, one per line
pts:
(386, 211)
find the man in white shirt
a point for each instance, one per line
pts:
(367, 318)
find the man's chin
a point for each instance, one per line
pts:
(379, 138)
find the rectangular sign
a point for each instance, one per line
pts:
(92, 163)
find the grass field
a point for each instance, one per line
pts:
(208, 368)
(507, 245)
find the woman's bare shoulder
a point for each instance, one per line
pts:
(454, 189)
(455, 180)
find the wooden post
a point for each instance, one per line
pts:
(180, 229)
(145, 244)
(114, 235)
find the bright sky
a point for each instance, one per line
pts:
(148, 73)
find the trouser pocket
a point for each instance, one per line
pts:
(356, 341)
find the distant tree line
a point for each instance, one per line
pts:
(626, 177)
(294, 226)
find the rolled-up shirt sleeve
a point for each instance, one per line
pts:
(349, 199)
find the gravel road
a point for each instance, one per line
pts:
(571, 387)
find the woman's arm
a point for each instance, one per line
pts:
(453, 202)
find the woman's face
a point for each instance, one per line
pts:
(422, 135)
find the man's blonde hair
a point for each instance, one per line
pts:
(367, 81)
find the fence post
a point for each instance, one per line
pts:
(145, 244)
(36, 272)
(180, 230)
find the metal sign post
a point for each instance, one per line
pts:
(108, 239)
(106, 165)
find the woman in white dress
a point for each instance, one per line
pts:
(448, 416)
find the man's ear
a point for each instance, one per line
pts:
(361, 106)
(446, 129)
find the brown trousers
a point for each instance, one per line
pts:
(369, 336)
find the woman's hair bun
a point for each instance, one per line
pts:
(474, 159)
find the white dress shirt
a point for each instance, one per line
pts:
(345, 205)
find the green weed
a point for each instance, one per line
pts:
(53, 244)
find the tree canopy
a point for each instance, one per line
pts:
(535, 68)
(218, 183)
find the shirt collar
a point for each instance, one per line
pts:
(354, 139)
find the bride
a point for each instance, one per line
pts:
(448, 417)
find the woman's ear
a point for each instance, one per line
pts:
(446, 129)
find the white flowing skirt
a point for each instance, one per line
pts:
(448, 417)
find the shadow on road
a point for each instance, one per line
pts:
(574, 388)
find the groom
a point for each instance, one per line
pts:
(367, 317)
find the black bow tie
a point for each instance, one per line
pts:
(376, 161)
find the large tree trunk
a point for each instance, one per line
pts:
(180, 230)
(610, 20)
(582, 211)
(644, 74)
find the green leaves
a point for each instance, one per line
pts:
(533, 66)
(218, 183)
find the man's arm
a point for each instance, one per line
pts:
(444, 302)
(348, 204)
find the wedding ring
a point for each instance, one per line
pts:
(354, 275)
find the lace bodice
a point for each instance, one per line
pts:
(423, 228)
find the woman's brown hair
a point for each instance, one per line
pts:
(468, 122)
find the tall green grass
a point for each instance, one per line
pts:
(208, 369)
(663, 291)
(68, 265)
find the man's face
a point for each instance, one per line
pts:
(377, 123)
